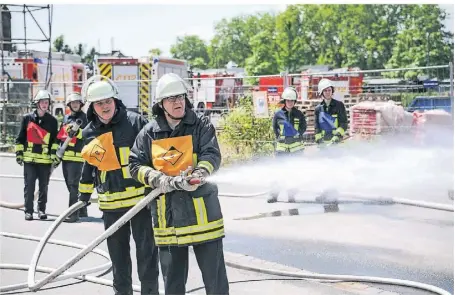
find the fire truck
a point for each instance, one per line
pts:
(136, 78)
(347, 83)
(34, 69)
(216, 91)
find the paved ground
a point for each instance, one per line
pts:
(396, 241)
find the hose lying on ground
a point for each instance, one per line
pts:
(56, 273)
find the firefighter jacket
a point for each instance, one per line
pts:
(106, 153)
(289, 127)
(74, 148)
(181, 218)
(330, 119)
(36, 141)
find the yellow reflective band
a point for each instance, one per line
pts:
(29, 145)
(191, 239)
(194, 160)
(79, 134)
(19, 147)
(201, 211)
(141, 174)
(71, 144)
(28, 154)
(54, 146)
(124, 153)
(103, 176)
(38, 161)
(46, 138)
(205, 164)
(128, 193)
(161, 209)
(187, 230)
(72, 159)
(86, 188)
(72, 154)
(165, 241)
(162, 232)
(118, 204)
(126, 172)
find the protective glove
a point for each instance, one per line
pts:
(335, 139)
(183, 183)
(162, 182)
(85, 198)
(201, 174)
(20, 160)
(318, 138)
(55, 161)
(70, 131)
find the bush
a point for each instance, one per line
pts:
(245, 137)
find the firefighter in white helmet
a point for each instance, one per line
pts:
(72, 160)
(108, 137)
(187, 214)
(331, 120)
(36, 149)
(289, 125)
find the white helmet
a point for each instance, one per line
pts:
(323, 84)
(170, 85)
(289, 94)
(75, 96)
(41, 95)
(98, 88)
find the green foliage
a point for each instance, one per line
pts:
(347, 35)
(193, 49)
(244, 136)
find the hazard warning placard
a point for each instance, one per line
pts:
(261, 108)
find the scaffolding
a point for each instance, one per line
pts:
(10, 43)
(14, 97)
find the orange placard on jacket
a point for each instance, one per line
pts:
(36, 134)
(63, 135)
(172, 155)
(100, 152)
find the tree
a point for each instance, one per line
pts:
(289, 37)
(155, 52)
(263, 59)
(191, 48)
(422, 40)
(231, 40)
(79, 49)
(59, 43)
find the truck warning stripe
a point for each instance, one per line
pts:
(144, 87)
(106, 70)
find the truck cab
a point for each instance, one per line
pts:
(425, 103)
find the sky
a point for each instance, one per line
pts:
(136, 28)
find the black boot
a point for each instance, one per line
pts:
(83, 212)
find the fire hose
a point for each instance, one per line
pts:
(61, 150)
(60, 273)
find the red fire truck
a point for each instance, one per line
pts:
(216, 90)
(68, 74)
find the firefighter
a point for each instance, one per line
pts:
(36, 149)
(289, 125)
(330, 115)
(108, 137)
(72, 160)
(179, 141)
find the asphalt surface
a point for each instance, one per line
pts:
(389, 241)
